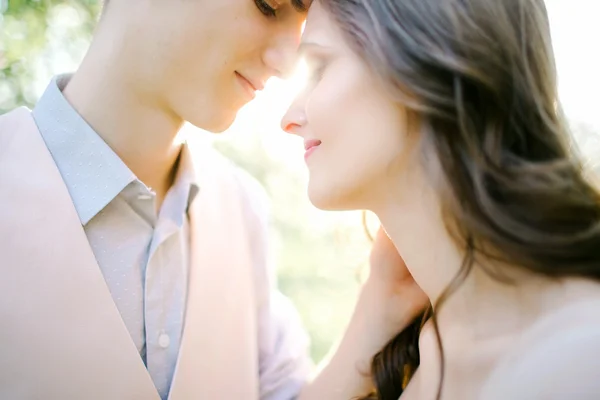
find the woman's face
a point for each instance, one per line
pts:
(355, 134)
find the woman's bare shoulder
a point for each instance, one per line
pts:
(557, 358)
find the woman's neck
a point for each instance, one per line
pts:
(482, 312)
(481, 306)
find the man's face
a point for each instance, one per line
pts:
(206, 58)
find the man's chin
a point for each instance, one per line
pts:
(215, 124)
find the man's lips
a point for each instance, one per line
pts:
(254, 84)
(246, 85)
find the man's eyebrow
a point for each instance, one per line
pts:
(300, 5)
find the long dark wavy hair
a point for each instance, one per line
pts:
(480, 78)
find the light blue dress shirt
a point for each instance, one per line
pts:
(144, 256)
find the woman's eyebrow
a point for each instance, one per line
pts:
(307, 46)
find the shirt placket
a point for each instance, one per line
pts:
(164, 293)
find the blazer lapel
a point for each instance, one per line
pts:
(218, 358)
(62, 337)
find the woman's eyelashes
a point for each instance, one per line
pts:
(316, 74)
(266, 7)
(317, 58)
(316, 68)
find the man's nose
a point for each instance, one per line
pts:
(282, 54)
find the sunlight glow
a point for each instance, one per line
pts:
(574, 34)
(263, 116)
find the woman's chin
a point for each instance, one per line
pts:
(327, 199)
(320, 198)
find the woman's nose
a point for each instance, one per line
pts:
(294, 119)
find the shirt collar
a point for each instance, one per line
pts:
(185, 186)
(93, 173)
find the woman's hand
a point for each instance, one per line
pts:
(390, 294)
(388, 302)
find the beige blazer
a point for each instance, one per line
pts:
(61, 335)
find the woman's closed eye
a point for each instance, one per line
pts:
(316, 72)
(317, 57)
(267, 7)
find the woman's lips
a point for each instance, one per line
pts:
(310, 146)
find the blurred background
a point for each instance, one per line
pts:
(319, 255)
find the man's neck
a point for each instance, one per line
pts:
(139, 129)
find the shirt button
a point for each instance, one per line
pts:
(144, 196)
(164, 340)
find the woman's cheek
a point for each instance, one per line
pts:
(328, 106)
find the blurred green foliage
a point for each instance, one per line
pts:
(27, 27)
